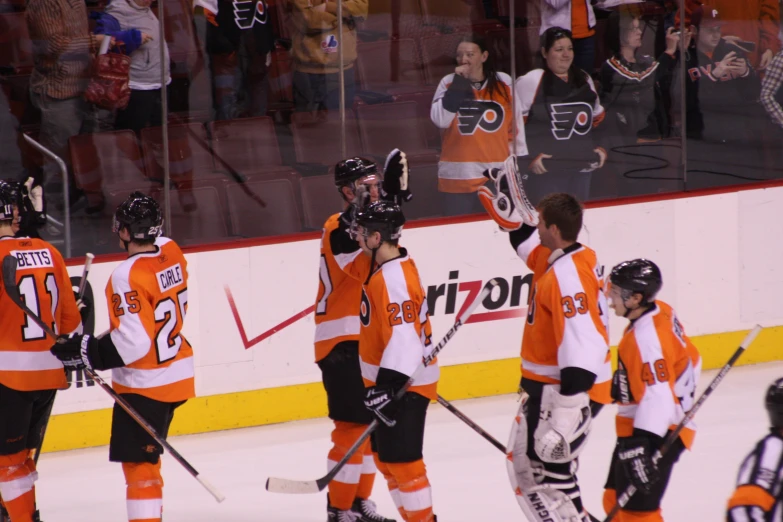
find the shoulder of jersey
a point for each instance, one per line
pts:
(505, 78)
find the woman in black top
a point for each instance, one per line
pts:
(558, 109)
(634, 92)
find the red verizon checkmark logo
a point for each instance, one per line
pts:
(255, 340)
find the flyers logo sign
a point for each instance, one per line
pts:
(247, 13)
(364, 310)
(570, 118)
(480, 114)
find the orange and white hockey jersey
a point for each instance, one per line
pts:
(342, 272)
(25, 361)
(658, 370)
(396, 331)
(477, 137)
(566, 321)
(148, 300)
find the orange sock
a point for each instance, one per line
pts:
(343, 489)
(17, 485)
(144, 495)
(367, 480)
(394, 489)
(415, 491)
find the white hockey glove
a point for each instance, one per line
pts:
(508, 206)
(564, 425)
(35, 193)
(395, 177)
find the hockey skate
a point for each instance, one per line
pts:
(367, 511)
(335, 515)
(4, 517)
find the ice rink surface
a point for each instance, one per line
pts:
(468, 475)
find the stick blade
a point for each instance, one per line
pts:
(220, 497)
(293, 487)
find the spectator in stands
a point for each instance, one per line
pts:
(771, 95)
(472, 107)
(753, 24)
(557, 110)
(62, 53)
(578, 17)
(240, 43)
(725, 121)
(10, 156)
(634, 92)
(316, 38)
(133, 23)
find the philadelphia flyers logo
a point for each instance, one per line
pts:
(364, 310)
(248, 12)
(570, 118)
(480, 114)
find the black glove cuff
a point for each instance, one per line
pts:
(459, 90)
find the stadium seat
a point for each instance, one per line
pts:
(247, 144)
(424, 186)
(389, 66)
(189, 155)
(448, 16)
(392, 19)
(263, 208)
(197, 215)
(317, 138)
(387, 126)
(106, 158)
(319, 200)
(423, 100)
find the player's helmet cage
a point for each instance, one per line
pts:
(349, 171)
(774, 403)
(382, 216)
(639, 276)
(141, 215)
(10, 197)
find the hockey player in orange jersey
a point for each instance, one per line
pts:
(758, 497)
(342, 271)
(658, 369)
(566, 370)
(29, 374)
(151, 361)
(395, 337)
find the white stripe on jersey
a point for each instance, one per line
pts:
(582, 346)
(769, 464)
(657, 408)
(528, 245)
(405, 350)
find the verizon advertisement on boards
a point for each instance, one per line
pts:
(250, 308)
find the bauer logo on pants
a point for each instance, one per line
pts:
(570, 118)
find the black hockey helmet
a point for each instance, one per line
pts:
(141, 215)
(774, 403)
(382, 216)
(639, 276)
(350, 170)
(10, 196)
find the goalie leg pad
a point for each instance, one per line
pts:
(564, 426)
(518, 465)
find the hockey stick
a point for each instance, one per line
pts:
(79, 295)
(11, 289)
(279, 485)
(478, 429)
(623, 499)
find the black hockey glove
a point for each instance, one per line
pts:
(84, 304)
(635, 456)
(395, 177)
(381, 402)
(74, 350)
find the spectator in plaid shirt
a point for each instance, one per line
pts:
(770, 89)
